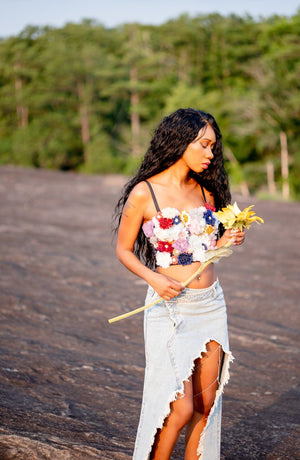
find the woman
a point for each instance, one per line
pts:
(166, 225)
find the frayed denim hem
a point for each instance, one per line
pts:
(176, 334)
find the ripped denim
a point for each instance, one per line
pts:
(176, 333)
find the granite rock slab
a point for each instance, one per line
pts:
(71, 383)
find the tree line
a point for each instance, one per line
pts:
(86, 97)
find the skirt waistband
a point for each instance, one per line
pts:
(189, 294)
(191, 291)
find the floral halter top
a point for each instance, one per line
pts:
(181, 237)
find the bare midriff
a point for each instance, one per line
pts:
(182, 272)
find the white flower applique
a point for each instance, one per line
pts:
(163, 259)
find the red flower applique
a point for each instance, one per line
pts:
(165, 222)
(164, 246)
(210, 207)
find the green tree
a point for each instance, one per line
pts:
(87, 97)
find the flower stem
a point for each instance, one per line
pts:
(214, 258)
(133, 312)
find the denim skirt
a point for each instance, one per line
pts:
(176, 333)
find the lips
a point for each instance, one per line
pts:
(206, 165)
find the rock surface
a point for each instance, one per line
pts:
(71, 384)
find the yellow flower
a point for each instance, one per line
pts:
(209, 229)
(184, 217)
(233, 217)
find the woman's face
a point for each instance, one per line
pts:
(199, 152)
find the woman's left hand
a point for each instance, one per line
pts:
(235, 236)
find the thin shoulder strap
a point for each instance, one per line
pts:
(203, 193)
(153, 196)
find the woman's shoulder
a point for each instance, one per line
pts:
(140, 189)
(140, 192)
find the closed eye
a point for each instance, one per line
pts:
(212, 146)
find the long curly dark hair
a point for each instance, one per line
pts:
(170, 140)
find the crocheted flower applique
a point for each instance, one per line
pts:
(148, 228)
(164, 246)
(210, 207)
(163, 259)
(181, 237)
(185, 218)
(165, 222)
(185, 258)
(209, 218)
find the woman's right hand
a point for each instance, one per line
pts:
(165, 286)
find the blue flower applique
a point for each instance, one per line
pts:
(209, 218)
(185, 258)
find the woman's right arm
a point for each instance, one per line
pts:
(130, 224)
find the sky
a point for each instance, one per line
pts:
(15, 15)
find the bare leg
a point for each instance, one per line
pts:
(205, 383)
(181, 412)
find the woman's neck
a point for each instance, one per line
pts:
(177, 175)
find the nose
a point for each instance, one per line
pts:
(211, 155)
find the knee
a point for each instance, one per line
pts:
(187, 413)
(183, 414)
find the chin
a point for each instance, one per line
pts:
(197, 170)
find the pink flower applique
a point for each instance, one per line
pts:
(181, 245)
(148, 228)
(212, 244)
(194, 227)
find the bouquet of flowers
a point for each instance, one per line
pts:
(232, 218)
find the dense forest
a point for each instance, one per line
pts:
(87, 98)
